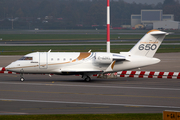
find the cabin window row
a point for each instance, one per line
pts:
(64, 59)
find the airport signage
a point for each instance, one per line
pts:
(171, 115)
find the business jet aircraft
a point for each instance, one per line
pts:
(89, 63)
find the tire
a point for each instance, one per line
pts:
(22, 79)
(88, 79)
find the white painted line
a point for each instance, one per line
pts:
(11, 56)
(11, 113)
(91, 86)
(87, 103)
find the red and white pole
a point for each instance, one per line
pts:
(108, 26)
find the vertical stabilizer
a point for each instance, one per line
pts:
(149, 44)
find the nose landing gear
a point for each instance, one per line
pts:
(22, 79)
(21, 75)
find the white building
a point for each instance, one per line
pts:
(149, 17)
(166, 25)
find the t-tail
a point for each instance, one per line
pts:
(149, 44)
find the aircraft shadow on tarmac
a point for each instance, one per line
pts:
(53, 79)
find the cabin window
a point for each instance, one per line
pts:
(58, 59)
(26, 58)
(64, 59)
(51, 59)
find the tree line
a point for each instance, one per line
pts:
(73, 14)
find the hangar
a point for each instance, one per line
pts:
(150, 18)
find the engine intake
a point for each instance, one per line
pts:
(104, 58)
(108, 58)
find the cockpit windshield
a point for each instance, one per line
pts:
(26, 58)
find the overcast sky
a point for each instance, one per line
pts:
(145, 1)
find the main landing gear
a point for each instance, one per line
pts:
(86, 78)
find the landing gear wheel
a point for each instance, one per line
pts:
(22, 79)
(87, 79)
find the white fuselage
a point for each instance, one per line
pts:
(78, 62)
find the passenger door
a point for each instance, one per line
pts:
(43, 60)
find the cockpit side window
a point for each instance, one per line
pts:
(26, 58)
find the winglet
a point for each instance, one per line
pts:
(110, 67)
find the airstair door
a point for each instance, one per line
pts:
(43, 60)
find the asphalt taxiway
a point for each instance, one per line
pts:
(41, 94)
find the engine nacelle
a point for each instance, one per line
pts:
(104, 58)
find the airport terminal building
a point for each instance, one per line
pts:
(154, 19)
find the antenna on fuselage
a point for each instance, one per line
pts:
(89, 51)
(108, 26)
(49, 51)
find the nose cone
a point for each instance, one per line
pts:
(7, 67)
(10, 66)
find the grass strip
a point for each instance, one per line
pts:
(141, 116)
(12, 37)
(24, 37)
(22, 50)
